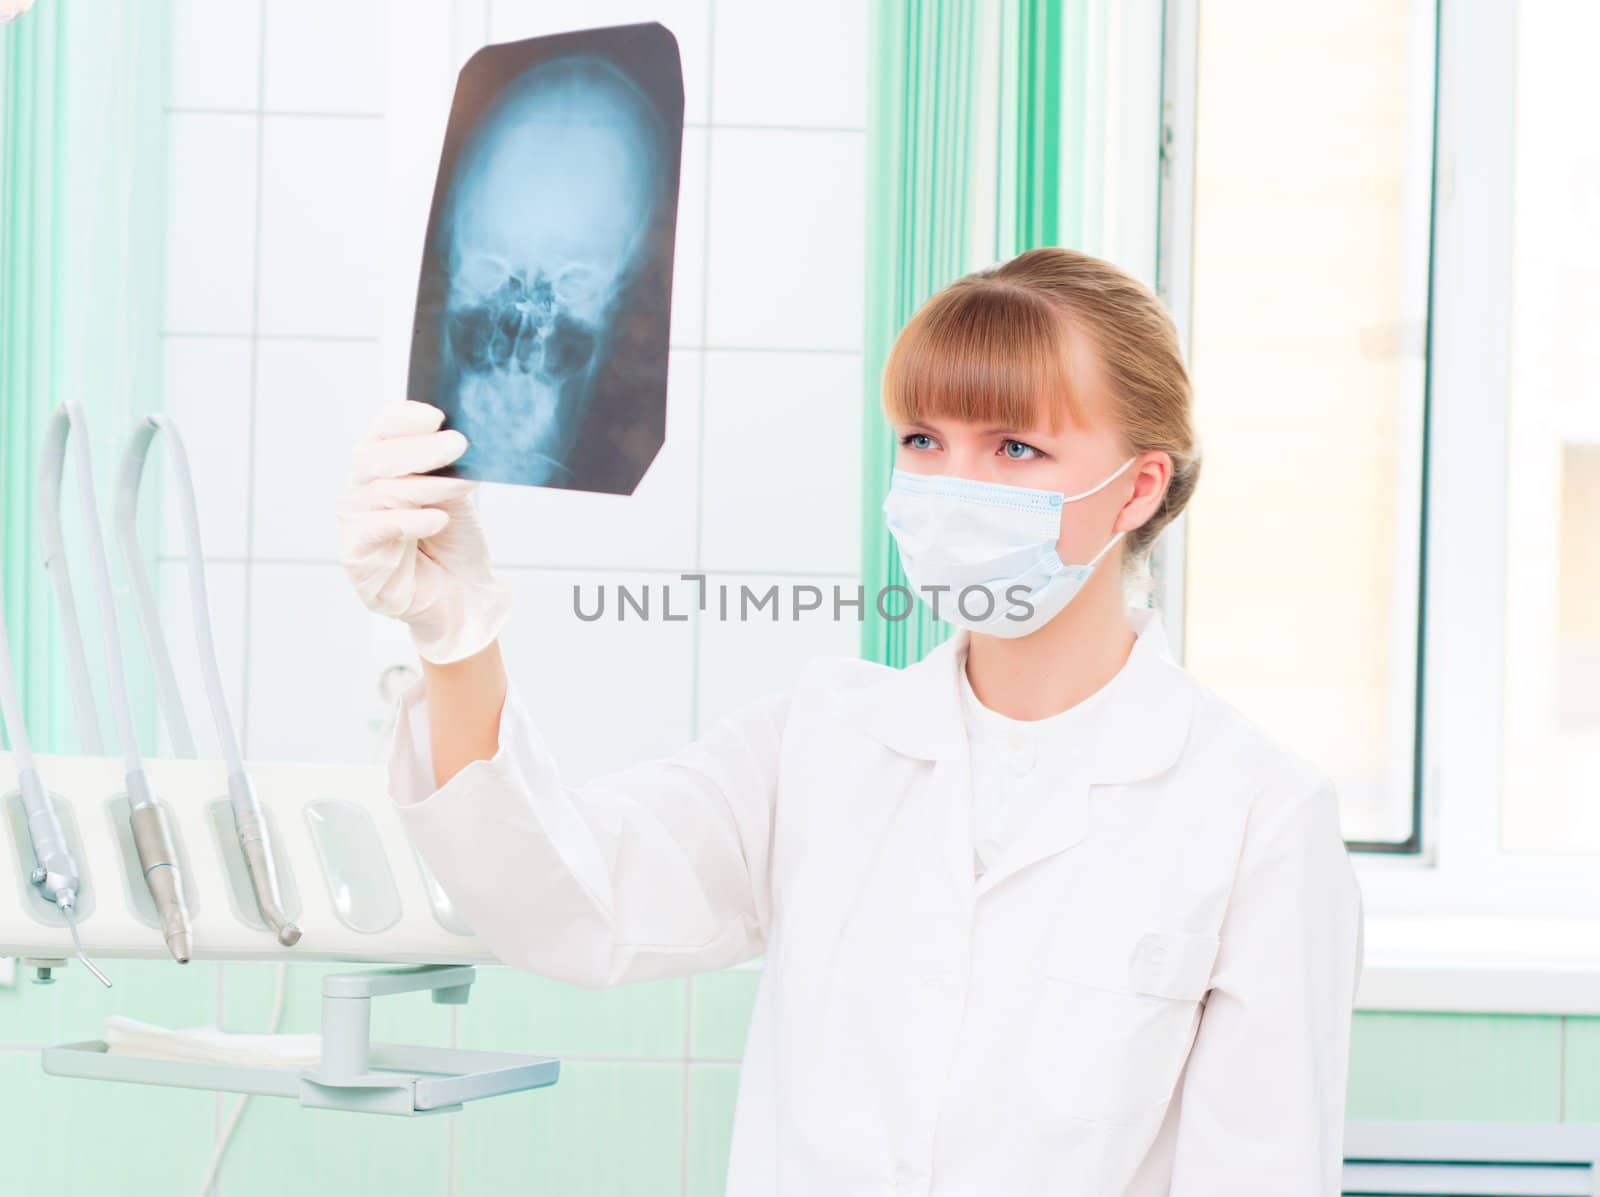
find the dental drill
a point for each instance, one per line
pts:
(249, 820)
(55, 873)
(152, 836)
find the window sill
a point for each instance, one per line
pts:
(1481, 965)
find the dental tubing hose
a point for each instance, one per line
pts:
(249, 821)
(152, 835)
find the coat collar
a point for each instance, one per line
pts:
(916, 710)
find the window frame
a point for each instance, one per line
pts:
(1465, 565)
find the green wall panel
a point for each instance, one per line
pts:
(282, 1148)
(76, 1138)
(1490, 1068)
(713, 1090)
(519, 1012)
(606, 1130)
(720, 1013)
(1580, 1074)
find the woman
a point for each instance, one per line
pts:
(1040, 913)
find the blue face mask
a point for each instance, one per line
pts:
(983, 554)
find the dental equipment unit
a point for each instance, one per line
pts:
(153, 841)
(100, 818)
(250, 824)
(56, 871)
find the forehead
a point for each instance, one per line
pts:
(1087, 381)
(997, 357)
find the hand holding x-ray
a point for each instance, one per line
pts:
(544, 305)
(410, 541)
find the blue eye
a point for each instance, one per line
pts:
(917, 440)
(1018, 450)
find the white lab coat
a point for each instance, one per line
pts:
(1149, 993)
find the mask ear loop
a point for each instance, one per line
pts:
(1106, 548)
(1101, 485)
(1095, 560)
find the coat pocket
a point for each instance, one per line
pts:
(1117, 1010)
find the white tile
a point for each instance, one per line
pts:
(207, 394)
(323, 57)
(746, 653)
(775, 62)
(689, 252)
(606, 693)
(211, 222)
(215, 54)
(314, 401)
(225, 599)
(321, 226)
(688, 21)
(653, 528)
(317, 664)
(788, 239)
(782, 463)
(469, 29)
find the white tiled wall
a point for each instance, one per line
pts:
(303, 141)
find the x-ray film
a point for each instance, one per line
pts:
(544, 305)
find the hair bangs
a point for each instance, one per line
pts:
(981, 351)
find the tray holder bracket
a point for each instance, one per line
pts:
(354, 1073)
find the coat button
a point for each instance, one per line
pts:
(942, 983)
(907, 1179)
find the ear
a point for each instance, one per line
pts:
(1151, 474)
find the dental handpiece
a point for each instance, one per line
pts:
(249, 821)
(158, 858)
(55, 872)
(152, 836)
(258, 858)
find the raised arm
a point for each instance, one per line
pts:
(653, 870)
(658, 869)
(464, 702)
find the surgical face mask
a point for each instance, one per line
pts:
(983, 554)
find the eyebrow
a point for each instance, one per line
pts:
(990, 430)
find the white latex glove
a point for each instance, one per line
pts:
(411, 541)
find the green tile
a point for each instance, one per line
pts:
(1455, 1066)
(517, 1011)
(281, 1147)
(248, 991)
(1581, 1075)
(70, 1137)
(720, 1013)
(713, 1089)
(604, 1130)
(75, 1005)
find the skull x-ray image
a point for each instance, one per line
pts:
(544, 306)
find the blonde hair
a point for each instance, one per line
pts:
(992, 347)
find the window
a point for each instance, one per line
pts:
(1312, 204)
(1393, 563)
